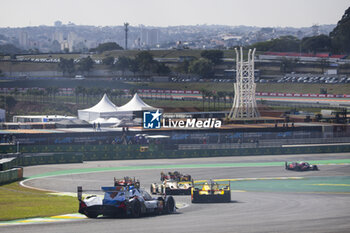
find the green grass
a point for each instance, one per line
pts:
(186, 86)
(303, 88)
(260, 87)
(210, 86)
(18, 202)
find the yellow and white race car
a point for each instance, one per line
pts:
(172, 187)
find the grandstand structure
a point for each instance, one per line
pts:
(244, 104)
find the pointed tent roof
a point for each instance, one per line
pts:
(135, 104)
(105, 105)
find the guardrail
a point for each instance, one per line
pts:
(264, 143)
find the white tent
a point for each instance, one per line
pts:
(104, 109)
(106, 122)
(136, 104)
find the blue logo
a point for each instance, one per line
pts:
(151, 120)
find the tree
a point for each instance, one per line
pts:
(66, 66)
(55, 91)
(202, 67)
(215, 98)
(161, 69)
(133, 91)
(204, 96)
(209, 95)
(133, 66)
(282, 44)
(48, 91)
(123, 63)
(340, 36)
(117, 93)
(10, 102)
(315, 44)
(41, 93)
(215, 56)
(287, 65)
(183, 67)
(109, 46)
(86, 64)
(145, 61)
(108, 61)
(78, 90)
(34, 93)
(222, 94)
(8, 49)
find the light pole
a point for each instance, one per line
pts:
(17, 147)
(126, 29)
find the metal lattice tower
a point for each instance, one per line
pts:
(126, 29)
(244, 104)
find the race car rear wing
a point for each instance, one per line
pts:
(80, 192)
(213, 185)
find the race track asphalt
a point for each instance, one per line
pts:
(294, 210)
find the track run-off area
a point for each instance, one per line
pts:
(265, 196)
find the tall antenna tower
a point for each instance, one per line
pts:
(244, 104)
(126, 29)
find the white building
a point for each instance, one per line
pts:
(41, 118)
(23, 39)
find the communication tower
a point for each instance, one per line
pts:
(244, 104)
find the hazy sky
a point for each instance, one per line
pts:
(295, 13)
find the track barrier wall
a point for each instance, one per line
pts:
(8, 173)
(55, 154)
(12, 162)
(55, 158)
(79, 153)
(11, 175)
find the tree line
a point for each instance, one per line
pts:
(68, 67)
(86, 96)
(338, 41)
(144, 64)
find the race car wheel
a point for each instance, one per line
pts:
(153, 189)
(169, 206)
(135, 209)
(162, 189)
(91, 215)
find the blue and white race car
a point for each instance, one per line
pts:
(124, 200)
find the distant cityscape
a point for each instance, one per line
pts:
(76, 38)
